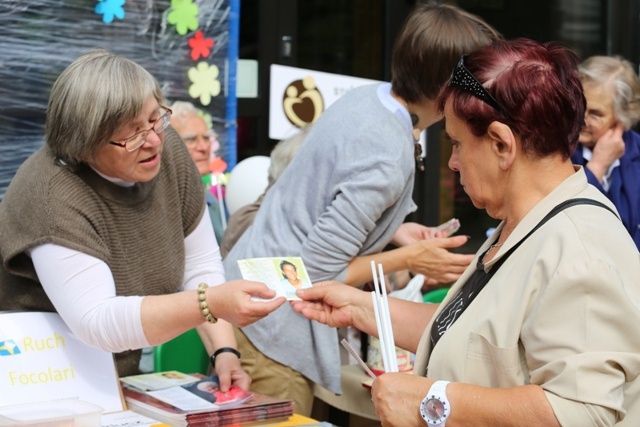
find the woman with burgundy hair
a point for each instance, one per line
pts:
(345, 197)
(542, 328)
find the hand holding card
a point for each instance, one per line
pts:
(285, 275)
(449, 227)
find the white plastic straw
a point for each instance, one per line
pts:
(386, 318)
(383, 321)
(376, 311)
(381, 340)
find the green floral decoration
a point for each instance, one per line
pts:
(184, 16)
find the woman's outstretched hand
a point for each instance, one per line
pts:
(334, 304)
(242, 302)
(433, 258)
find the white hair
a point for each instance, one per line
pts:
(617, 75)
(183, 109)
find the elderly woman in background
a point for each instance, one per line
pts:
(609, 149)
(199, 137)
(543, 328)
(106, 225)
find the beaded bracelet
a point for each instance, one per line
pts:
(204, 307)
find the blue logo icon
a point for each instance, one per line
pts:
(9, 348)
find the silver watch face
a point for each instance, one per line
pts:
(434, 409)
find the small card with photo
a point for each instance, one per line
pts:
(449, 227)
(284, 275)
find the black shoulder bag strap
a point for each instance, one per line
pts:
(481, 281)
(556, 210)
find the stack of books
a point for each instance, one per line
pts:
(196, 402)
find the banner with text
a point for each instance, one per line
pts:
(41, 360)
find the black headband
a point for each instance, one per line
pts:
(463, 79)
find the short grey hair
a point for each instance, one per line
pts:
(617, 75)
(93, 97)
(283, 153)
(183, 109)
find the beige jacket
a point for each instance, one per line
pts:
(562, 312)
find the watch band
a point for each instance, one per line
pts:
(435, 408)
(223, 350)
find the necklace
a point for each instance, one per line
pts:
(492, 247)
(495, 245)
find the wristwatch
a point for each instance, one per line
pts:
(435, 408)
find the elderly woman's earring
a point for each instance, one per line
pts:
(414, 119)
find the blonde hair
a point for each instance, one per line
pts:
(617, 75)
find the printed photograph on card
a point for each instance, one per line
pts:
(209, 390)
(285, 275)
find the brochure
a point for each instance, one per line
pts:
(282, 274)
(159, 380)
(256, 408)
(202, 395)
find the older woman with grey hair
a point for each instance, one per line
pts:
(198, 136)
(609, 148)
(105, 225)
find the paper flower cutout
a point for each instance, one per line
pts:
(223, 178)
(200, 47)
(218, 191)
(110, 9)
(218, 166)
(184, 16)
(205, 82)
(219, 180)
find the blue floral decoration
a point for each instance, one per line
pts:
(110, 9)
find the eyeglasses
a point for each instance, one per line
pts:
(463, 79)
(136, 141)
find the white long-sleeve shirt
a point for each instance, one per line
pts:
(82, 289)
